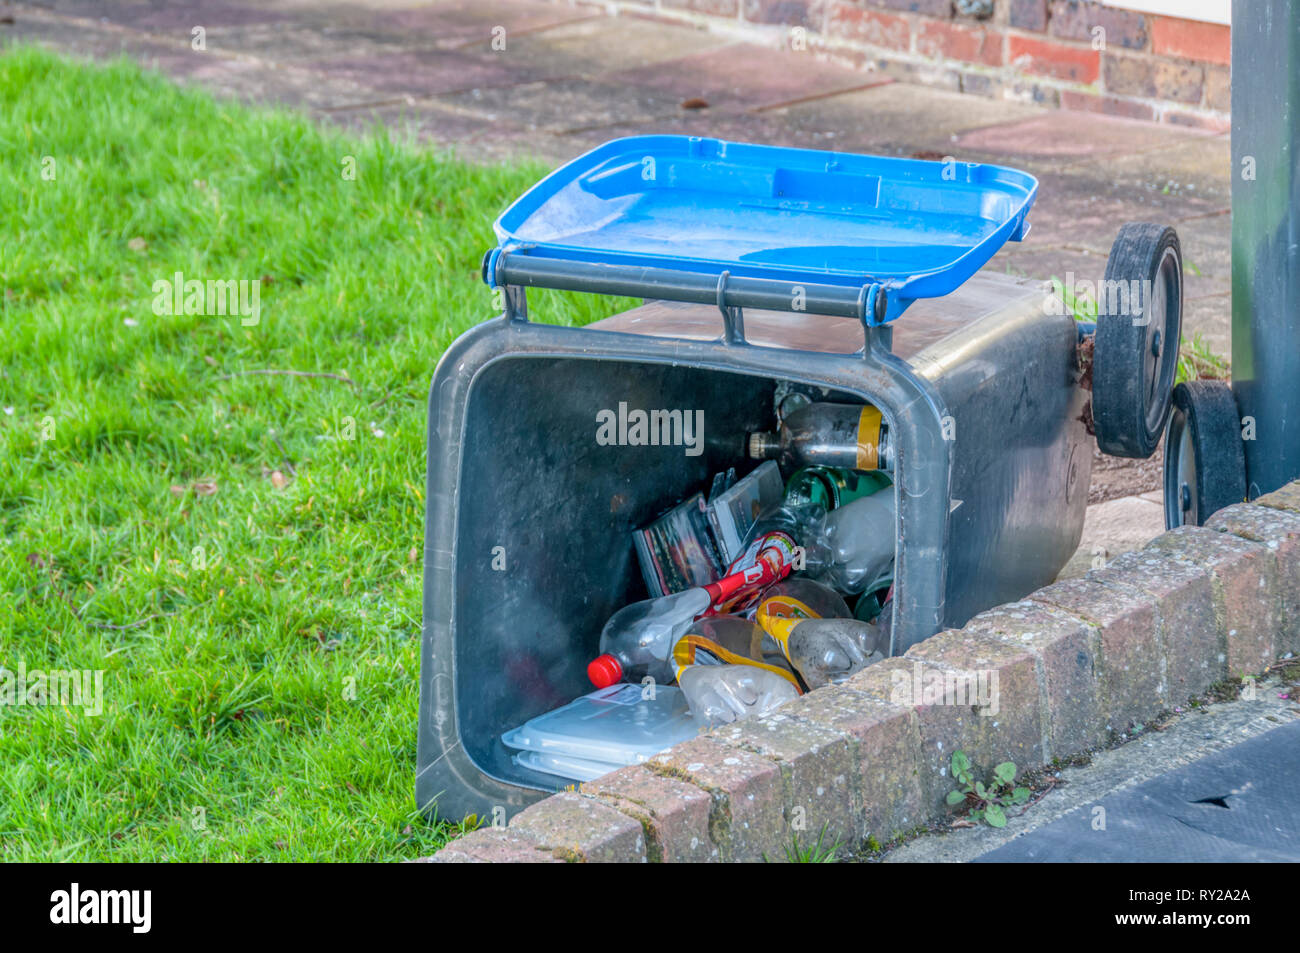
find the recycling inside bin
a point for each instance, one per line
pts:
(530, 549)
(546, 514)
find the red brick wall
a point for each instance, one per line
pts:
(1075, 54)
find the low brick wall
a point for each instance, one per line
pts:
(1068, 53)
(1074, 662)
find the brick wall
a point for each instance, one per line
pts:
(1074, 54)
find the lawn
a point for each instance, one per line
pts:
(237, 552)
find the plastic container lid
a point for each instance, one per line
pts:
(563, 765)
(614, 726)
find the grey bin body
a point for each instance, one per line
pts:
(981, 393)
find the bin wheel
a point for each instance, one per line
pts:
(1205, 463)
(1139, 328)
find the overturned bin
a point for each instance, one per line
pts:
(773, 278)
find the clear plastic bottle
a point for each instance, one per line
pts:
(638, 639)
(730, 640)
(805, 524)
(729, 668)
(830, 650)
(826, 651)
(852, 436)
(720, 694)
(859, 542)
(798, 597)
(851, 548)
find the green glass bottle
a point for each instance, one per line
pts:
(830, 487)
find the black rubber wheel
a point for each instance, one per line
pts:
(1139, 327)
(1205, 463)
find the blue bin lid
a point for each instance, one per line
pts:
(914, 227)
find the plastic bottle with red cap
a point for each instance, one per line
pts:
(638, 640)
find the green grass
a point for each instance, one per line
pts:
(817, 852)
(260, 644)
(1197, 361)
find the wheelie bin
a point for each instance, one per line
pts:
(766, 271)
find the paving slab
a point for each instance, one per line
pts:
(426, 73)
(82, 39)
(445, 24)
(1231, 806)
(1086, 210)
(1207, 244)
(770, 128)
(599, 45)
(1034, 258)
(776, 127)
(889, 119)
(1207, 298)
(1184, 740)
(910, 118)
(745, 76)
(448, 25)
(283, 44)
(1096, 172)
(220, 73)
(565, 107)
(1115, 527)
(258, 84)
(1059, 136)
(222, 22)
(1211, 318)
(735, 79)
(1198, 166)
(179, 19)
(469, 136)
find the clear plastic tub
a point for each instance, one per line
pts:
(563, 766)
(614, 726)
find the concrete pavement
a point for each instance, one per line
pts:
(1185, 740)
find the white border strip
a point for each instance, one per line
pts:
(1207, 11)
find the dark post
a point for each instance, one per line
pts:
(1266, 237)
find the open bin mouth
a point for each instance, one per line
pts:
(548, 503)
